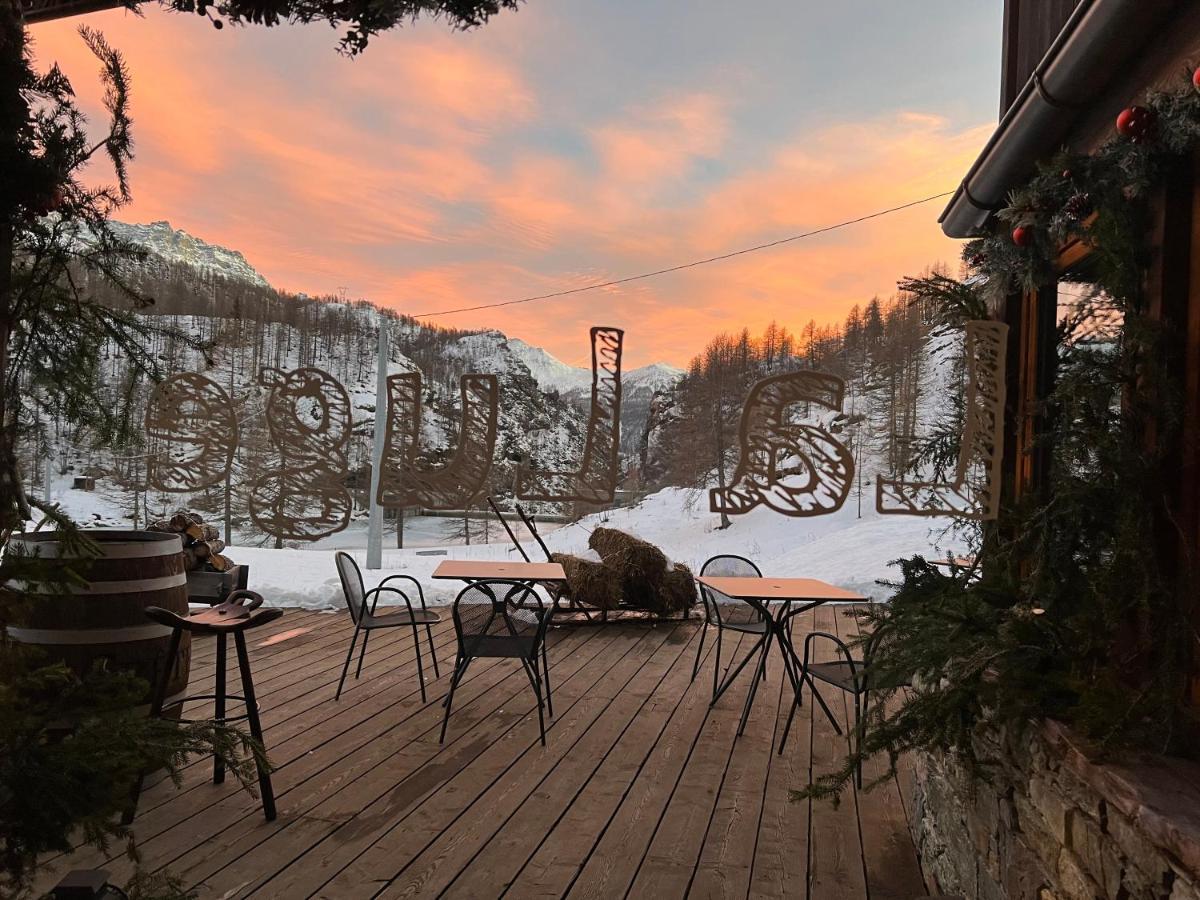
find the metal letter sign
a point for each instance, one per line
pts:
(192, 433)
(456, 484)
(596, 479)
(796, 469)
(305, 498)
(975, 491)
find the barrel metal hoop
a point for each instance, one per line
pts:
(82, 636)
(132, 586)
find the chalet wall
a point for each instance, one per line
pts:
(1030, 27)
(1051, 825)
(1166, 62)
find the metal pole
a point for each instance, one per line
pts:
(375, 521)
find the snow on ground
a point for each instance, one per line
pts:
(840, 548)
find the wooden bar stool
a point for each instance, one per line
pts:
(235, 616)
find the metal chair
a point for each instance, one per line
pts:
(742, 616)
(848, 674)
(500, 619)
(366, 621)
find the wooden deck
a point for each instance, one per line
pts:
(641, 791)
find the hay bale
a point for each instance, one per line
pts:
(678, 590)
(640, 566)
(588, 582)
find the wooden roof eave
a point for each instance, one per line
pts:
(1096, 41)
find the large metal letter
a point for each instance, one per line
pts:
(596, 479)
(459, 481)
(975, 491)
(794, 469)
(192, 431)
(305, 498)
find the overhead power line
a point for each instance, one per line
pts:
(688, 265)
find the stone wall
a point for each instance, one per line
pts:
(1050, 824)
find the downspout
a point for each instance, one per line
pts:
(1098, 39)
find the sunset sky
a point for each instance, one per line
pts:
(566, 143)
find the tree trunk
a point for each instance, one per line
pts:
(14, 508)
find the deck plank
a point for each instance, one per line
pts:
(359, 861)
(354, 798)
(523, 835)
(614, 861)
(563, 852)
(288, 713)
(727, 855)
(672, 856)
(780, 866)
(893, 871)
(643, 790)
(835, 844)
(506, 816)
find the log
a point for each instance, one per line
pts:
(220, 563)
(198, 531)
(182, 519)
(190, 559)
(208, 549)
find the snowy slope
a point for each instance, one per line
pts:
(840, 548)
(552, 374)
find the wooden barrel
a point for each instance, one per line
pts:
(79, 625)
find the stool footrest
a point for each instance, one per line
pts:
(225, 720)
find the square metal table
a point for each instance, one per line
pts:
(785, 592)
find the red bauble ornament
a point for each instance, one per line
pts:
(1022, 235)
(1196, 79)
(1136, 122)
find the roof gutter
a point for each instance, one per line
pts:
(1098, 39)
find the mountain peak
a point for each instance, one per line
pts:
(174, 245)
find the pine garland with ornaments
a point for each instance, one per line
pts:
(1097, 198)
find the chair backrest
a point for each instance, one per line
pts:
(494, 613)
(730, 566)
(352, 583)
(730, 610)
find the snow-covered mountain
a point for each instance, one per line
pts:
(174, 245)
(552, 374)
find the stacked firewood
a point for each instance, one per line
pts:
(201, 545)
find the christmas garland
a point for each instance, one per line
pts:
(1095, 198)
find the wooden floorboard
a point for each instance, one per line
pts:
(835, 851)
(642, 789)
(890, 859)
